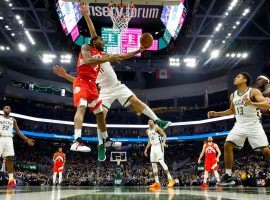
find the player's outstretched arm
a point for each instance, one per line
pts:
(202, 153)
(61, 72)
(95, 61)
(261, 101)
(19, 133)
(88, 20)
(228, 112)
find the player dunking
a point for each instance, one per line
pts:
(245, 105)
(210, 150)
(59, 159)
(7, 124)
(85, 93)
(110, 87)
(157, 152)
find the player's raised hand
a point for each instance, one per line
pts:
(83, 8)
(59, 71)
(30, 142)
(199, 161)
(211, 114)
(115, 58)
(145, 153)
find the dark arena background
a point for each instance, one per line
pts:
(199, 47)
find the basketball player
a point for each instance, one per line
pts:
(59, 159)
(210, 149)
(245, 105)
(263, 85)
(85, 93)
(7, 124)
(157, 152)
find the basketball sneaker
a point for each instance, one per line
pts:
(163, 124)
(227, 181)
(12, 183)
(155, 185)
(101, 152)
(171, 183)
(78, 145)
(203, 185)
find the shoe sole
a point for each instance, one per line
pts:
(102, 160)
(167, 125)
(80, 151)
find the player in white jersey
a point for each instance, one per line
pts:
(245, 105)
(7, 124)
(157, 145)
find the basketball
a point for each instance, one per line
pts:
(146, 40)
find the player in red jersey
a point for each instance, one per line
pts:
(210, 150)
(85, 93)
(59, 159)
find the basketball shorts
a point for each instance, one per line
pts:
(58, 168)
(210, 164)
(6, 147)
(85, 93)
(120, 92)
(253, 132)
(157, 153)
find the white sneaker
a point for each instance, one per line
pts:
(79, 146)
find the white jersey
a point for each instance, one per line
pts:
(6, 126)
(107, 77)
(154, 137)
(245, 113)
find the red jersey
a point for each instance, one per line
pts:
(210, 151)
(59, 158)
(89, 71)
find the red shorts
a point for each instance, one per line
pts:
(210, 164)
(84, 88)
(58, 168)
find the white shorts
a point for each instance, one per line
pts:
(157, 153)
(120, 92)
(6, 147)
(254, 133)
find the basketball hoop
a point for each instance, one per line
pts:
(121, 14)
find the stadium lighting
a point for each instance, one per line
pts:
(239, 55)
(234, 27)
(20, 21)
(246, 11)
(238, 22)
(175, 62)
(233, 55)
(2, 48)
(215, 53)
(6, 26)
(190, 62)
(226, 13)
(7, 48)
(227, 55)
(10, 4)
(206, 45)
(229, 34)
(48, 57)
(244, 55)
(66, 58)
(218, 27)
(12, 34)
(223, 41)
(1, 18)
(18, 17)
(22, 47)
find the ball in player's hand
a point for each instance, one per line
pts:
(146, 40)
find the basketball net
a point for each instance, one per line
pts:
(121, 14)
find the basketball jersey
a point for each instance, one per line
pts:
(107, 77)
(154, 137)
(210, 151)
(89, 71)
(59, 158)
(245, 113)
(6, 126)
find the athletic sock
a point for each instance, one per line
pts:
(10, 176)
(77, 133)
(100, 139)
(169, 176)
(157, 179)
(217, 176)
(148, 112)
(104, 134)
(228, 171)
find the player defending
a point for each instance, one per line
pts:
(7, 124)
(210, 149)
(85, 93)
(59, 159)
(110, 87)
(157, 152)
(245, 105)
